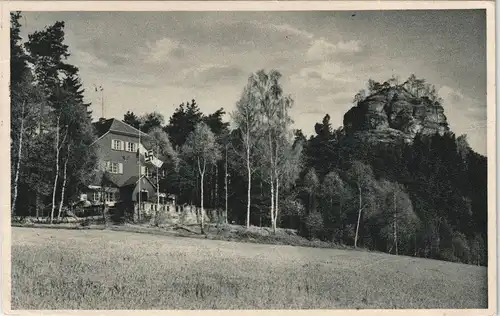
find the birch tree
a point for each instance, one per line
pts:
(202, 148)
(361, 176)
(58, 144)
(246, 119)
(393, 216)
(25, 100)
(275, 124)
(80, 157)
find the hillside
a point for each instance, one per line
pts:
(118, 270)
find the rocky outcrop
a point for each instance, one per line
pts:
(394, 114)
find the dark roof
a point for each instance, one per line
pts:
(118, 180)
(102, 126)
(105, 125)
(134, 179)
(110, 179)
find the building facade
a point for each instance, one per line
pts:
(123, 175)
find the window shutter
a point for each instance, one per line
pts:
(122, 145)
(126, 146)
(143, 170)
(120, 168)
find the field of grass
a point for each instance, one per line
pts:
(102, 269)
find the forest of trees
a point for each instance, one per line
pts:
(426, 199)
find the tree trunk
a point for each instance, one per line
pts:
(202, 174)
(249, 175)
(276, 205)
(18, 164)
(157, 193)
(217, 185)
(359, 218)
(37, 202)
(64, 182)
(415, 243)
(225, 184)
(57, 174)
(310, 202)
(271, 180)
(395, 225)
(201, 203)
(272, 200)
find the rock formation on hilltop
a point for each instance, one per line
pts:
(391, 113)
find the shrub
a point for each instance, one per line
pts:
(314, 225)
(161, 218)
(461, 247)
(447, 254)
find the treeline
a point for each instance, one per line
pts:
(51, 128)
(423, 199)
(426, 199)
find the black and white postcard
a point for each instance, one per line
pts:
(248, 157)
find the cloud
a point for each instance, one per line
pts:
(221, 73)
(343, 97)
(84, 59)
(466, 116)
(324, 73)
(205, 75)
(287, 28)
(162, 50)
(455, 100)
(322, 49)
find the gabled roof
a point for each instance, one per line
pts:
(134, 179)
(104, 126)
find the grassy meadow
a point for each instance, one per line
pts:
(102, 269)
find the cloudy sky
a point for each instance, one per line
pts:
(152, 61)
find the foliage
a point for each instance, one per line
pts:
(131, 119)
(428, 197)
(51, 126)
(159, 142)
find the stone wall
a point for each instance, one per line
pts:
(176, 214)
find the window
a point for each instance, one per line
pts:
(114, 167)
(163, 200)
(117, 144)
(96, 196)
(132, 147)
(143, 196)
(110, 196)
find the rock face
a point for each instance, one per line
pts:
(394, 114)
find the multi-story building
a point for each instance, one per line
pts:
(124, 174)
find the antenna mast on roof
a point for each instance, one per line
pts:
(101, 89)
(140, 173)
